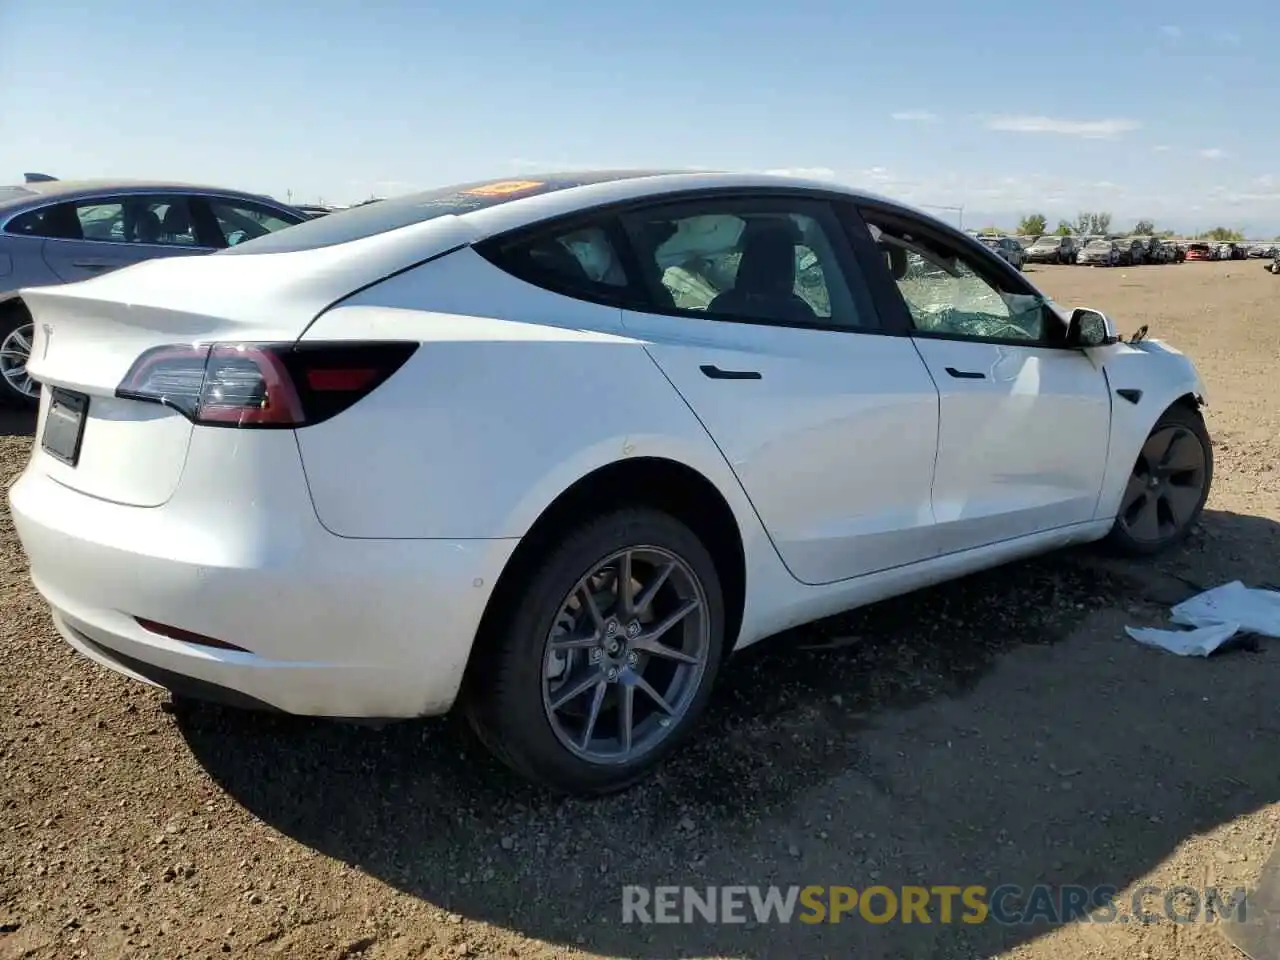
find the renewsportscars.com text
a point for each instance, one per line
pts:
(971, 904)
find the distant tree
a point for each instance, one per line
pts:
(1064, 229)
(1222, 234)
(1144, 228)
(993, 229)
(1034, 225)
(1093, 223)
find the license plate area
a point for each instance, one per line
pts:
(64, 425)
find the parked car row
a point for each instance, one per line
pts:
(1089, 250)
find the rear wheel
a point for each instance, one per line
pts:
(1168, 486)
(605, 659)
(17, 389)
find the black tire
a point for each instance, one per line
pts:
(12, 317)
(503, 701)
(1187, 426)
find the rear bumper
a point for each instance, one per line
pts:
(336, 627)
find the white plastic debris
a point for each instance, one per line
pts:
(1216, 616)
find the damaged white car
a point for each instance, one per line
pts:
(551, 449)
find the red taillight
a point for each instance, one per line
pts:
(261, 385)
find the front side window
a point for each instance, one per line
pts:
(244, 221)
(947, 296)
(766, 261)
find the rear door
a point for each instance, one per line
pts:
(1025, 421)
(758, 315)
(101, 234)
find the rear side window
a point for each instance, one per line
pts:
(750, 260)
(581, 261)
(57, 222)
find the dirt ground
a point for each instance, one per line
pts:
(998, 730)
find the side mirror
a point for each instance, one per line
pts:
(1090, 328)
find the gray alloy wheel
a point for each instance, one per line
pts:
(15, 351)
(598, 651)
(1168, 485)
(626, 656)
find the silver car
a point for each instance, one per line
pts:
(60, 231)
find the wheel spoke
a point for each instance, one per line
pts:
(623, 585)
(626, 715)
(653, 633)
(589, 727)
(1186, 456)
(1181, 501)
(589, 601)
(574, 692)
(1136, 489)
(1175, 437)
(22, 342)
(653, 647)
(1153, 448)
(651, 590)
(1145, 524)
(653, 694)
(570, 642)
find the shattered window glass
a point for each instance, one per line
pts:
(955, 300)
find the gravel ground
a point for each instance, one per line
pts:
(997, 730)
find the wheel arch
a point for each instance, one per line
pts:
(665, 484)
(1163, 379)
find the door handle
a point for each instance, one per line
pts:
(93, 264)
(715, 373)
(966, 374)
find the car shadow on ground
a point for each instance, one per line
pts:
(997, 730)
(17, 423)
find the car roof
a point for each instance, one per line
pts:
(496, 206)
(43, 191)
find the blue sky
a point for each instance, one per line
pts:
(1166, 110)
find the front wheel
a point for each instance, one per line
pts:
(17, 330)
(1168, 486)
(606, 657)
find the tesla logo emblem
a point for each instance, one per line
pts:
(48, 335)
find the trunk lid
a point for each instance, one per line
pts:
(88, 335)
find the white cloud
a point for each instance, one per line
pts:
(1225, 38)
(1213, 153)
(915, 116)
(1161, 148)
(1089, 129)
(1171, 33)
(807, 173)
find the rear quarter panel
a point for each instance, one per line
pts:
(1164, 375)
(515, 394)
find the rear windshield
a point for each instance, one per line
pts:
(370, 219)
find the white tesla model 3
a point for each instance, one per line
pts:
(551, 448)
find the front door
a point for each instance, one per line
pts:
(761, 320)
(1024, 420)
